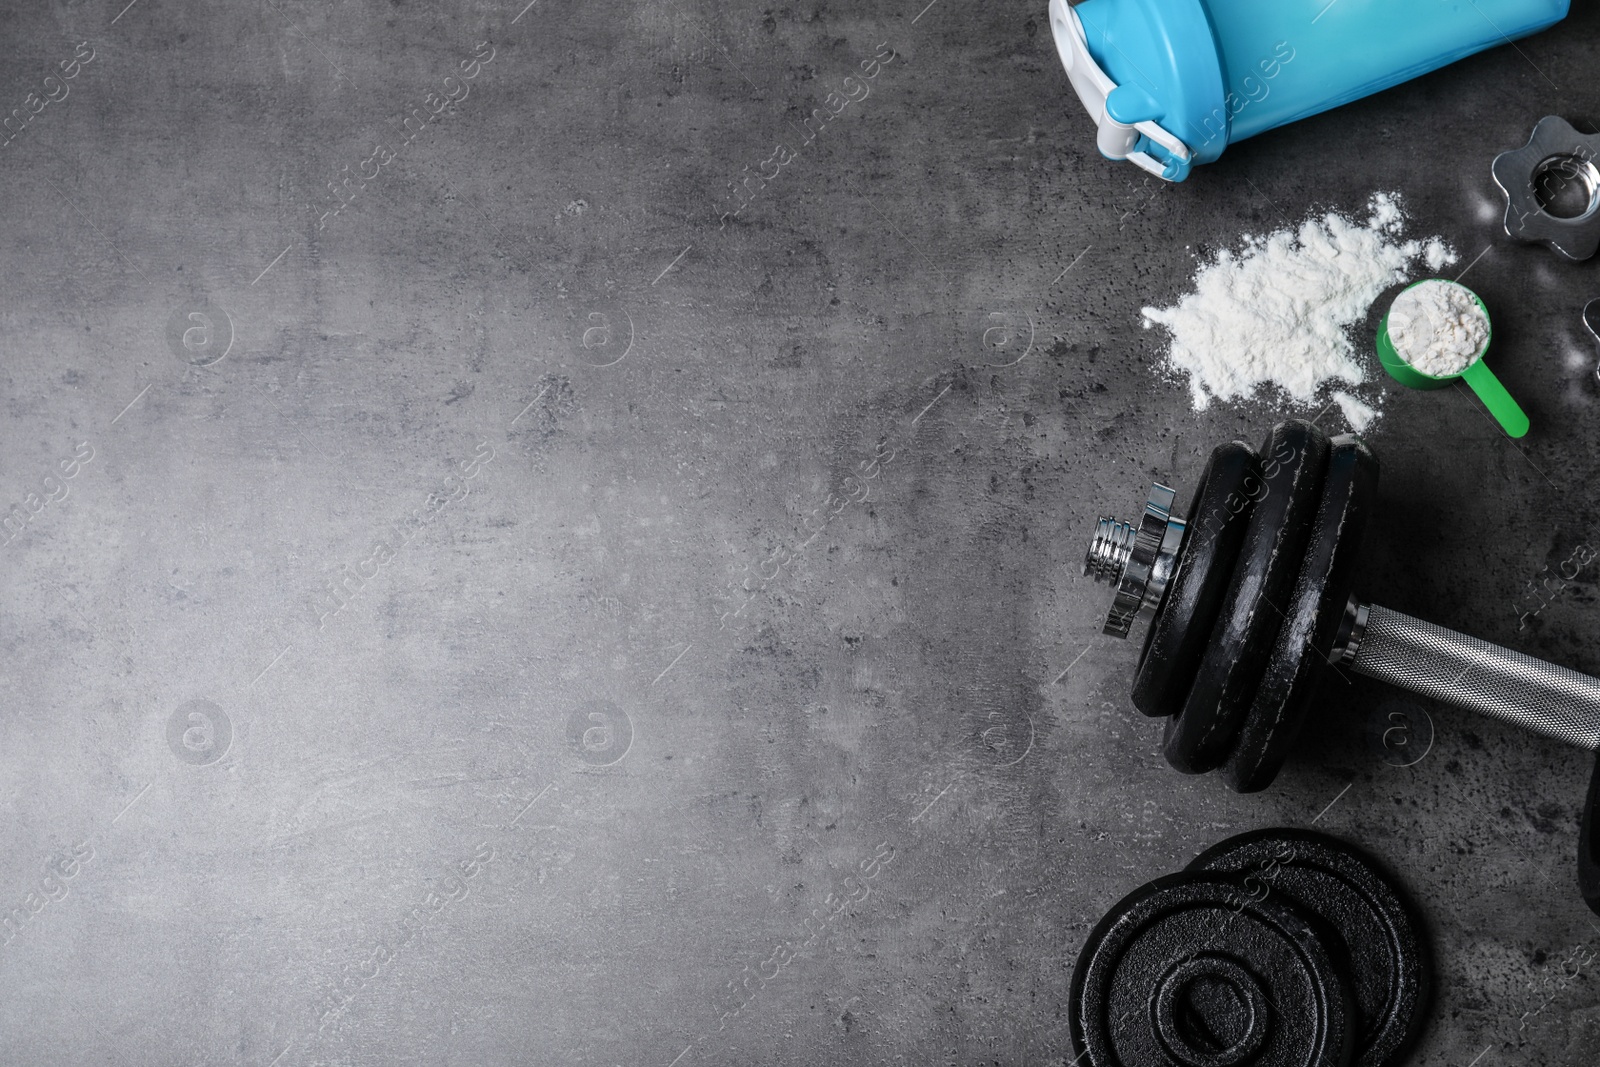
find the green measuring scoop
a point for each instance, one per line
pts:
(1479, 378)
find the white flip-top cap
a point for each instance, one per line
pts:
(1092, 84)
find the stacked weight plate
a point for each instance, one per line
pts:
(1255, 600)
(1277, 948)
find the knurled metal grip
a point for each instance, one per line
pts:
(1450, 667)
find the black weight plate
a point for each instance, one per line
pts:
(1177, 636)
(1201, 736)
(1379, 940)
(1189, 971)
(1589, 844)
(1300, 654)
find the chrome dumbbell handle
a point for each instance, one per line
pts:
(1451, 667)
(1433, 661)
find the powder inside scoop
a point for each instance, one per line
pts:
(1438, 328)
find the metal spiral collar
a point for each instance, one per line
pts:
(1138, 560)
(1108, 553)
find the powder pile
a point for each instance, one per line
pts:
(1277, 312)
(1438, 328)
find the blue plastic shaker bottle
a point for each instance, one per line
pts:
(1172, 82)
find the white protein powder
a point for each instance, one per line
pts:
(1277, 312)
(1356, 413)
(1438, 328)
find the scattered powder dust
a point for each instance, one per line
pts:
(1356, 413)
(1386, 214)
(1437, 255)
(1278, 311)
(1438, 328)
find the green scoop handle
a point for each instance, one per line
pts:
(1506, 411)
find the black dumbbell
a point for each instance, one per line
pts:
(1249, 601)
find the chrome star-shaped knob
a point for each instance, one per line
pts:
(1552, 187)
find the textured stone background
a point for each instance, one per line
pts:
(635, 791)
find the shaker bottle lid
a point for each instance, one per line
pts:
(1149, 74)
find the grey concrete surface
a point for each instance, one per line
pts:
(723, 690)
